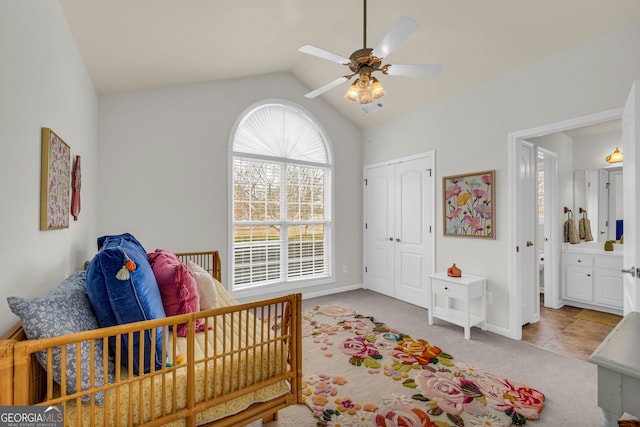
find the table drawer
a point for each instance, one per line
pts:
(449, 289)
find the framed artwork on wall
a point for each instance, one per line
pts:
(468, 205)
(55, 182)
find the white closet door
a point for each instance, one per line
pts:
(379, 195)
(413, 196)
(399, 200)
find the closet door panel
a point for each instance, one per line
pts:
(411, 194)
(379, 193)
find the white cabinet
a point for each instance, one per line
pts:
(579, 277)
(464, 289)
(608, 281)
(592, 279)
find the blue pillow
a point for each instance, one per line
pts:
(122, 289)
(61, 311)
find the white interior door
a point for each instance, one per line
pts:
(413, 230)
(526, 252)
(379, 223)
(631, 183)
(551, 236)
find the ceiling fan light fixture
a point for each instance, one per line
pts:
(614, 157)
(363, 85)
(365, 98)
(377, 91)
(352, 93)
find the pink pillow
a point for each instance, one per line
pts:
(178, 287)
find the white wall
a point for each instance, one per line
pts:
(43, 83)
(164, 175)
(469, 132)
(591, 150)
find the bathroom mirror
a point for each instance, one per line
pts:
(599, 193)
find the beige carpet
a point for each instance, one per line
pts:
(599, 317)
(361, 370)
(569, 385)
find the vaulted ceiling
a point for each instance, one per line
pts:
(139, 44)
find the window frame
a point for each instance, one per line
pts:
(285, 283)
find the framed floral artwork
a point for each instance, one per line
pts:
(468, 205)
(55, 182)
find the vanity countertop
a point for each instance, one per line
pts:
(593, 248)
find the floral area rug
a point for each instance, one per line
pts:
(361, 372)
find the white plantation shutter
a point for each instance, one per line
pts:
(277, 130)
(281, 210)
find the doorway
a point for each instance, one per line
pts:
(523, 256)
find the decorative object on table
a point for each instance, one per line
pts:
(570, 230)
(454, 271)
(55, 182)
(75, 189)
(468, 205)
(359, 371)
(584, 227)
(608, 245)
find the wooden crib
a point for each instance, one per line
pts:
(245, 367)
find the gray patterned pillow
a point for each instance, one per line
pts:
(65, 310)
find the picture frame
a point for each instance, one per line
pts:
(468, 202)
(55, 182)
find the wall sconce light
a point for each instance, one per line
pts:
(614, 157)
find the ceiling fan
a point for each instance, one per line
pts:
(366, 61)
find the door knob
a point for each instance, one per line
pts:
(391, 239)
(529, 243)
(397, 240)
(632, 271)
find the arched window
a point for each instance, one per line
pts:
(281, 192)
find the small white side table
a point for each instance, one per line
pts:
(463, 288)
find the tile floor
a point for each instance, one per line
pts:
(561, 332)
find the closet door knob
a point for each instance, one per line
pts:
(397, 240)
(529, 243)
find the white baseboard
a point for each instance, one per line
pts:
(325, 292)
(498, 330)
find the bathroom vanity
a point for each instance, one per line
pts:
(592, 277)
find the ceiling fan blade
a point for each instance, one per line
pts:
(396, 35)
(328, 86)
(416, 70)
(324, 54)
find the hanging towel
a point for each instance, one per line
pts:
(570, 230)
(585, 227)
(573, 232)
(581, 231)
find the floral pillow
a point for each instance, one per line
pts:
(65, 310)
